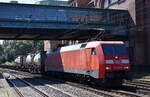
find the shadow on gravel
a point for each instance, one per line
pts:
(140, 75)
(35, 81)
(1, 77)
(140, 72)
(126, 88)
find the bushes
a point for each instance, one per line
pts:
(10, 49)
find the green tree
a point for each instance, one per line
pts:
(13, 48)
(1, 54)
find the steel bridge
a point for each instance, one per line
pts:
(27, 21)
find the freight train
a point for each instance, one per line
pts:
(103, 61)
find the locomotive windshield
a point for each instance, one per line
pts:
(110, 49)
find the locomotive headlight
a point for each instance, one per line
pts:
(108, 68)
(126, 67)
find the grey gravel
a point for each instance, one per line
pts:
(24, 89)
(73, 90)
(49, 91)
(63, 86)
(67, 88)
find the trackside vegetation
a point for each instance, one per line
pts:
(10, 49)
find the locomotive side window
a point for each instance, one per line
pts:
(93, 51)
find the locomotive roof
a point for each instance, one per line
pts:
(96, 43)
(92, 44)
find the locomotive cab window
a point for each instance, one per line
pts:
(93, 51)
(110, 49)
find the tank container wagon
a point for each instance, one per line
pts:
(39, 62)
(20, 62)
(29, 63)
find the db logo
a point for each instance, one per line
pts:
(117, 62)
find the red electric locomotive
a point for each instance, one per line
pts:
(99, 60)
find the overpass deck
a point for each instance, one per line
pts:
(27, 21)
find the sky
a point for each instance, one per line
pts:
(25, 1)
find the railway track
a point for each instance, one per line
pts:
(100, 92)
(103, 92)
(16, 89)
(44, 95)
(138, 84)
(39, 91)
(107, 92)
(145, 83)
(143, 88)
(28, 84)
